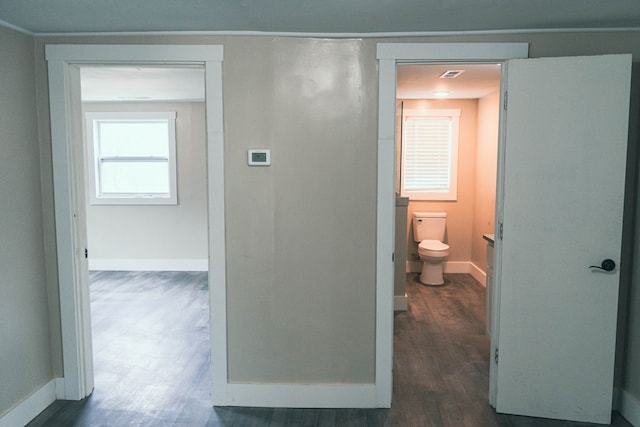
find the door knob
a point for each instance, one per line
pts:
(607, 265)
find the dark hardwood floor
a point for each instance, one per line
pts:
(151, 339)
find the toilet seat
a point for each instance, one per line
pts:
(433, 248)
(433, 245)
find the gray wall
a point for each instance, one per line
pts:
(174, 232)
(25, 355)
(301, 234)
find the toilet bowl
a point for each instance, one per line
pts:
(429, 229)
(433, 254)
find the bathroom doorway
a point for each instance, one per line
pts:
(426, 92)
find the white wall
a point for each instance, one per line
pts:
(25, 355)
(152, 237)
(301, 234)
(485, 178)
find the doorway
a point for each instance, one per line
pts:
(389, 56)
(548, 178)
(64, 62)
(466, 159)
(144, 145)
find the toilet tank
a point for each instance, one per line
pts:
(429, 226)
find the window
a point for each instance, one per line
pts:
(132, 158)
(430, 154)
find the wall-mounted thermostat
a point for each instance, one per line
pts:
(259, 157)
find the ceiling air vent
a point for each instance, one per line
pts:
(451, 74)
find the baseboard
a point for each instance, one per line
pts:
(302, 395)
(30, 407)
(400, 302)
(457, 267)
(454, 267)
(60, 389)
(630, 408)
(617, 396)
(149, 264)
(478, 274)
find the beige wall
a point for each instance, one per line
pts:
(174, 232)
(25, 352)
(485, 178)
(301, 234)
(460, 211)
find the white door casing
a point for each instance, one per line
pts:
(564, 175)
(68, 164)
(389, 55)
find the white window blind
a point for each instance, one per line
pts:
(430, 154)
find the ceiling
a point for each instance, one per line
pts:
(419, 81)
(324, 17)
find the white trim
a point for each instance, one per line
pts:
(94, 141)
(385, 233)
(159, 264)
(16, 28)
(60, 393)
(105, 53)
(62, 60)
(416, 114)
(617, 399)
(435, 52)
(302, 395)
(389, 55)
(73, 300)
(479, 274)
(630, 408)
(453, 267)
(394, 34)
(30, 407)
(457, 267)
(217, 231)
(400, 302)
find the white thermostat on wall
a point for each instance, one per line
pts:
(259, 157)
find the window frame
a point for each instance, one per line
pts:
(452, 193)
(96, 197)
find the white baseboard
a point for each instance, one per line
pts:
(60, 390)
(30, 407)
(457, 267)
(302, 395)
(454, 267)
(630, 408)
(479, 274)
(149, 264)
(400, 302)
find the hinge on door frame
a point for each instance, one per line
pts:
(500, 234)
(86, 253)
(495, 356)
(505, 99)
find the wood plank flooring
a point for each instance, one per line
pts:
(151, 345)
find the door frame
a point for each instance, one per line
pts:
(389, 55)
(64, 82)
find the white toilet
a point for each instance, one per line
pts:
(429, 230)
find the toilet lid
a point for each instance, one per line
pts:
(433, 245)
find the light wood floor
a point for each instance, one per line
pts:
(151, 352)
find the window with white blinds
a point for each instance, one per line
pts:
(430, 154)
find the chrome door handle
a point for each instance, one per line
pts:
(607, 265)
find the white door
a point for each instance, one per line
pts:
(564, 174)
